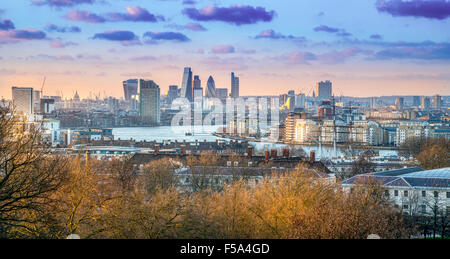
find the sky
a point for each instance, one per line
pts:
(366, 48)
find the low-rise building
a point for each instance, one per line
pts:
(413, 190)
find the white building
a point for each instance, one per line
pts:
(413, 190)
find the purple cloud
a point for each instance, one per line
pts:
(299, 57)
(425, 51)
(170, 36)
(134, 14)
(235, 14)
(335, 57)
(376, 37)
(6, 25)
(195, 27)
(62, 29)
(326, 29)
(339, 32)
(116, 36)
(223, 49)
(62, 3)
(27, 34)
(189, 26)
(189, 2)
(52, 57)
(84, 16)
(59, 44)
(271, 34)
(433, 9)
(143, 58)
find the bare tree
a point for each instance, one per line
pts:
(29, 175)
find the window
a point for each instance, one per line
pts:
(448, 195)
(436, 194)
(405, 193)
(405, 207)
(396, 193)
(423, 208)
(424, 194)
(448, 210)
(386, 193)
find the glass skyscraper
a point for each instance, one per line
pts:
(23, 100)
(149, 106)
(324, 90)
(130, 88)
(186, 85)
(211, 88)
(234, 86)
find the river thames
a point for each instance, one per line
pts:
(165, 133)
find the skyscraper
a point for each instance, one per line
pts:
(23, 100)
(211, 88)
(234, 86)
(222, 93)
(399, 103)
(425, 103)
(291, 97)
(186, 85)
(172, 94)
(437, 102)
(416, 101)
(300, 101)
(149, 107)
(37, 101)
(198, 90)
(324, 90)
(130, 88)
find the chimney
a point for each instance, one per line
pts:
(156, 148)
(266, 159)
(250, 151)
(274, 153)
(312, 157)
(286, 153)
(183, 150)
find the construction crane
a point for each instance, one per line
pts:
(42, 87)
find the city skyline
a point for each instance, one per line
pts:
(387, 48)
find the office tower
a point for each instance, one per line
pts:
(437, 102)
(130, 88)
(291, 97)
(47, 105)
(149, 107)
(234, 86)
(300, 101)
(186, 85)
(283, 99)
(372, 103)
(324, 90)
(399, 103)
(222, 93)
(197, 82)
(425, 103)
(23, 100)
(172, 94)
(198, 90)
(416, 101)
(211, 88)
(37, 101)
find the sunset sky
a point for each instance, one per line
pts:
(365, 47)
